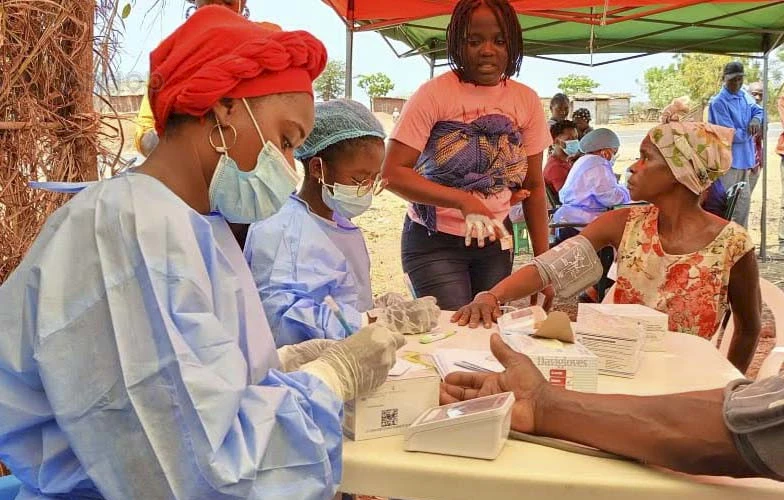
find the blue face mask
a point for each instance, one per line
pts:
(343, 199)
(246, 197)
(571, 148)
(612, 160)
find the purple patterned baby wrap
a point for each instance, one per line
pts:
(486, 155)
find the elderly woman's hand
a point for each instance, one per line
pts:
(485, 308)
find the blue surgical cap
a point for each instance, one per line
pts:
(601, 138)
(338, 120)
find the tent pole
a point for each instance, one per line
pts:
(764, 161)
(349, 60)
(432, 67)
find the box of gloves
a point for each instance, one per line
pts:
(564, 364)
(409, 390)
(654, 323)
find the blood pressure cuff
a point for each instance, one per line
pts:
(754, 414)
(570, 267)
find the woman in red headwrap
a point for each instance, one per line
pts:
(135, 359)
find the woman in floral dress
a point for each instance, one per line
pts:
(672, 255)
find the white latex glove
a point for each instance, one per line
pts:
(411, 317)
(388, 299)
(482, 227)
(358, 364)
(293, 356)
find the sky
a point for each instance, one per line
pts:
(143, 31)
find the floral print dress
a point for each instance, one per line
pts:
(690, 288)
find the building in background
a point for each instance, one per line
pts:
(604, 108)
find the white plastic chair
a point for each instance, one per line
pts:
(608, 297)
(773, 296)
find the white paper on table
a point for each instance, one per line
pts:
(401, 368)
(446, 359)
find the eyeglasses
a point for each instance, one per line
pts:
(375, 186)
(371, 185)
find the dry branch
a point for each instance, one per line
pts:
(54, 55)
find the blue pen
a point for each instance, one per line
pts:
(333, 306)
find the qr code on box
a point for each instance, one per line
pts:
(389, 418)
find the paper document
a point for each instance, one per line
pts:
(401, 367)
(447, 360)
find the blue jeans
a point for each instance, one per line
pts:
(440, 265)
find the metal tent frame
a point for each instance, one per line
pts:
(723, 22)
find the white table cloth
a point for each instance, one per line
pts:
(529, 471)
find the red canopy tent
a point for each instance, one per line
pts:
(635, 28)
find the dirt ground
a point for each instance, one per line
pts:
(382, 225)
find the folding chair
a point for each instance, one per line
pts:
(731, 199)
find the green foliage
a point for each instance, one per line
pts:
(576, 84)
(663, 84)
(376, 85)
(697, 75)
(331, 84)
(126, 11)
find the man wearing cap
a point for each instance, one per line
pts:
(733, 107)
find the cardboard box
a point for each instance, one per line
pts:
(654, 323)
(571, 366)
(391, 408)
(616, 341)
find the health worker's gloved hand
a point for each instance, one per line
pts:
(412, 317)
(482, 227)
(293, 356)
(358, 364)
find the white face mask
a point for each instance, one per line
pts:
(246, 197)
(343, 199)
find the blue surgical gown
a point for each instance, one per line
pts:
(297, 258)
(136, 362)
(591, 188)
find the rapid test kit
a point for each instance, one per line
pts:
(654, 323)
(410, 389)
(616, 341)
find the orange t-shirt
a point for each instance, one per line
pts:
(445, 98)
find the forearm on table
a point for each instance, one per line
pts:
(524, 282)
(535, 210)
(408, 184)
(684, 432)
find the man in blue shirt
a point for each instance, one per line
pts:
(733, 107)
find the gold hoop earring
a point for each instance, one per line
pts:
(223, 148)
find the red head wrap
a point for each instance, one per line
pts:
(217, 53)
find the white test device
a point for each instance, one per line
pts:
(477, 428)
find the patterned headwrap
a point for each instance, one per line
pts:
(697, 153)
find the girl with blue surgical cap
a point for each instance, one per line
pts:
(310, 248)
(135, 357)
